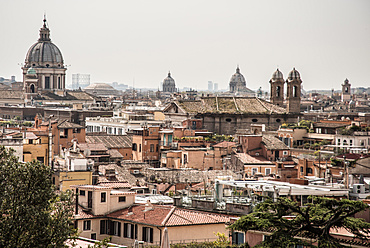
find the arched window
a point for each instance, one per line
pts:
(278, 88)
(295, 91)
(32, 88)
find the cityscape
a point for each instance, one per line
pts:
(199, 150)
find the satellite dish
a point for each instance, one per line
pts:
(87, 152)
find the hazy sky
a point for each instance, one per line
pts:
(197, 40)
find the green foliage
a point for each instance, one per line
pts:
(219, 138)
(222, 240)
(31, 213)
(312, 222)
(101, 244)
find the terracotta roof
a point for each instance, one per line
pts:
(92, 147)
(181, 217)
(168, 216)
(69, 95)
(116, 185)
(150, 217)
(115, 154)
(85, 214)
(273, 143)
(67, 124)
(241, 105)
(110, 141)
(225, 144)
(248, 159)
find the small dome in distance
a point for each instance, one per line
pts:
(277, 75)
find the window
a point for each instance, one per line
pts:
(93, 236)
(122, 199)
(129, 231)
(41, 159)
(228, 120)
(338, 142)
(278, 91)
(151, 147)
(278, 120)
(59, 85)
(309, 171)
(104, 227)
(139, 147)
(295, 91)
(82, 192)
(254, 120)
(157, 148)
(350, 142)
(103, 197)
(301, 169)
(134, 146)
(147, 234)
(47, 82)
(116, 226)
(87, 225)
(254, 171)
(267, 171)
(285, 152)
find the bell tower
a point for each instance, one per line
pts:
(277, 88)
(293, 96)
(346, 91)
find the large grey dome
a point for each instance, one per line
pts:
(44, 53)
(238, 78)
(169, 80)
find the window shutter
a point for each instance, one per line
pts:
(111, 227)
(119, 229)
(144, 234)
(125, 230)
(151, 235)
(132, 231)
(102, 227)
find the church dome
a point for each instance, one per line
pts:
(277, 75)
(294, 74)
(169, 80)
(44, 52)
(237, 78)
(101, 89)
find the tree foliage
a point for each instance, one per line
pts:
(32, 214)
(290, 224)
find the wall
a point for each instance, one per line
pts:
(65, 179)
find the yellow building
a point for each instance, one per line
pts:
(36, 147)
(65, 179)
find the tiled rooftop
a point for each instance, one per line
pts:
(273, 143)
(110, 141)
(239, 105)
(248, 159)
